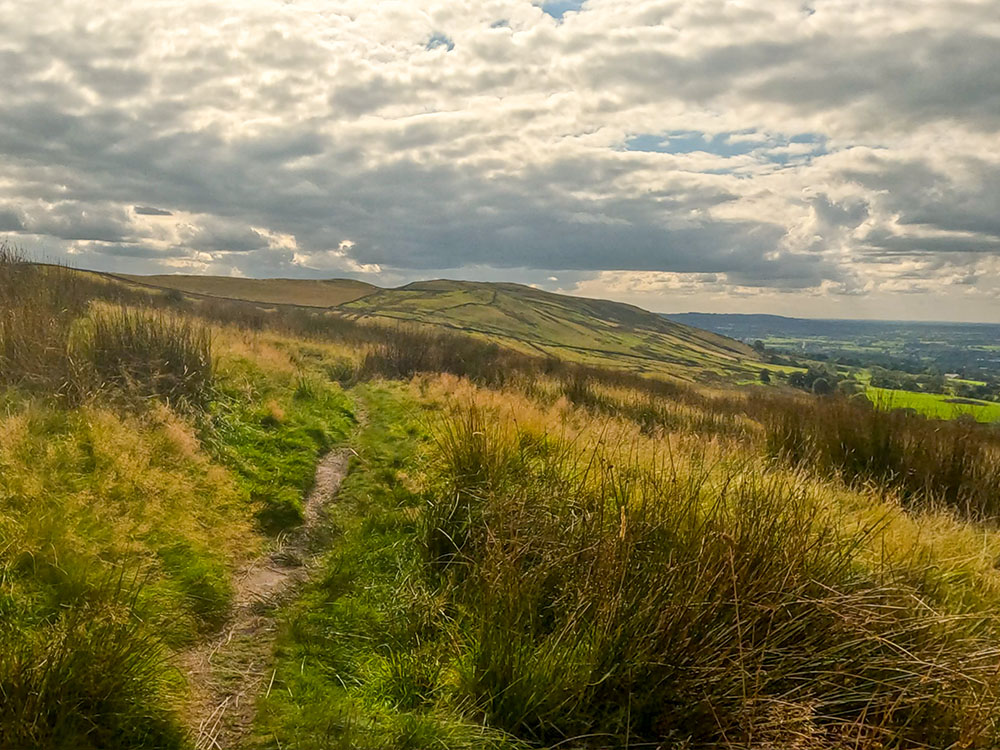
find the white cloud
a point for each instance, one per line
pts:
(846, 152)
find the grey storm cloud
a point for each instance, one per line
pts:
(334, 138)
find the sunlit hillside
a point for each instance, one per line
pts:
(597, 332)
(312, 293)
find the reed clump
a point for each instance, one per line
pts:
(605, 601)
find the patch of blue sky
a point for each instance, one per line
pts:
(440, 40)
(558, 8)
(776, 149)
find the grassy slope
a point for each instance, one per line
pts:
(596, 332)
(378, 653)
(122, 526)
(310, 292)
(586, 330)
(374, 655)
(936, 405)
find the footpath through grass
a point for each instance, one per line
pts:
(363, 657)
(122, 524)
(500, 585)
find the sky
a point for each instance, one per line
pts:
(819, 158)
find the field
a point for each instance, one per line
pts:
(525, 552)
(935, 405)
(595, 332)
(949, 347)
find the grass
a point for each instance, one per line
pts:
(604, 599)
(954, 463)
(122, 525)
(934, 405)
(96, 678)
(88, 496)
(149, 353)
(358, 659)
(528, 552)
(271, 429)
(52, 342)
(494, 583)
(310, 292)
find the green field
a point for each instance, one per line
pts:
(937, 405)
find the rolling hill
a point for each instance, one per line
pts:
(590, 331)
(574, 328)
(308, 292)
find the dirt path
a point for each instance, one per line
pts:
(228, 673)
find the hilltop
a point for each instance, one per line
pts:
(529, 320)
(306, 292)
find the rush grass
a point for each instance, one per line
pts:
(494, 584)
(606, 602)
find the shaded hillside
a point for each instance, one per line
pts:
(309, 292)
(574, 328)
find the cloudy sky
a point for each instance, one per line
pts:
(817, 158)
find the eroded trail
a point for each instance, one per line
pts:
(228, 673)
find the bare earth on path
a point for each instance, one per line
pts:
(227, 674)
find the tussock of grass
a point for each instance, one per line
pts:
(601, 598)
(47, 347)
(93, 678)
(954, 463)
(149, 354)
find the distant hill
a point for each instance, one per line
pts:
(587, 330)
(906, 345)
(591, 331)
(309, 292)
(751, 326)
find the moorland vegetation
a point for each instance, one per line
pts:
(528, 552)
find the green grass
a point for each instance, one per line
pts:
(271, 429)
(360, 656)
(934, 405)
(536, 594)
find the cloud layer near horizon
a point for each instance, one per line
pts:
(779, 156)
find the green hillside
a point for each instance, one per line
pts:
(590, 331)
(308, 292)
(573, 328)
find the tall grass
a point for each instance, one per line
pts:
(954, 463)
(610, 603)
(93, 679)
(149, 353)
(49, 344)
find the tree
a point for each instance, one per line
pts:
(765, 376)
(822, 387)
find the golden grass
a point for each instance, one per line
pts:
(963, 555)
